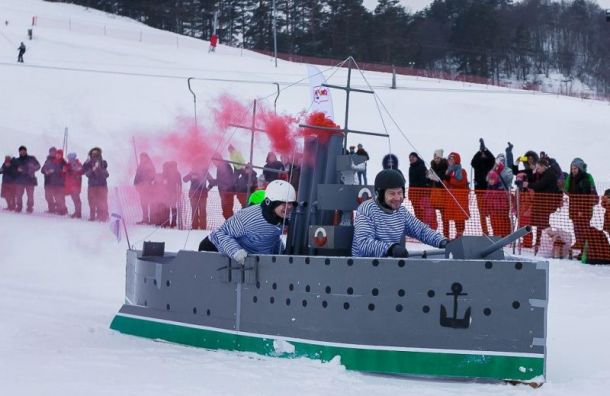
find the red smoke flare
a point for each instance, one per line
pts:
(320, 119)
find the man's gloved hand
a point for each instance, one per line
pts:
(240, 256)
(482, 144)
(510, 147)
(397, 250)
(443, 243)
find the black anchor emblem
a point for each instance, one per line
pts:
(454, 322)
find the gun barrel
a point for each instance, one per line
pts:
(506, 240)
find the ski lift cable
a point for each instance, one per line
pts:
(413, 146)
(385, 128)
(298, 82)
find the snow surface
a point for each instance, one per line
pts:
(61, 281)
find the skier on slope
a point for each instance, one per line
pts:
(21, 50)
(255, 229)
(382, 223)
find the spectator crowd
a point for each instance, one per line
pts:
(508, 191)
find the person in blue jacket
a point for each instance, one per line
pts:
(255, 229)
(382, 224)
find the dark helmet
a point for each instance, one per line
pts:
(388, 178)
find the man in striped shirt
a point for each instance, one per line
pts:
(255, 229)
(382, 224)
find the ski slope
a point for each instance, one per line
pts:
(62, 281)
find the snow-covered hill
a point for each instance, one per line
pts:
(62, 281)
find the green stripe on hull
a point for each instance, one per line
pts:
(373, 360)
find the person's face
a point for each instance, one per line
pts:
(23, 153)
(437, 160)
(284, 210)
(58, 156)
(451, 161)
(95, 154)
(531, 161)
(394, 197)
(412, 159)
(574, 170)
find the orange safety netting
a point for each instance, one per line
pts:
(563, 225)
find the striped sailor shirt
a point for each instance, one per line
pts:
(248, 230)
(376, 230)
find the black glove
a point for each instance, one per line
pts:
(510, 147)
(443, 243)
(397, 250)
(482, 146)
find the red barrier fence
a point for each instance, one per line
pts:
(563, 224)
(435, 74)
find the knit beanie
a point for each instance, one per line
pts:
(579, 163)
(438, 153)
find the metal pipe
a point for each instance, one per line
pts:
(499, 244)
(253, 166)
(426, 253)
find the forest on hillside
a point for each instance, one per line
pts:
(495, 39)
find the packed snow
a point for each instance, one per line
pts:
(62, 281)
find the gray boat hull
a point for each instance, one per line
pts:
(428, 317)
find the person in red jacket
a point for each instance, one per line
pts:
(213, 43)
(457, 210)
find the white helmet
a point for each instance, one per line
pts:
(280, 191)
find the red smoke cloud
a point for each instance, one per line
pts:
(195, 145)
(282, 131)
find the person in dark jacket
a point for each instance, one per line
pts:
(225, 180)
(21, 50)
(292, 166)
(390, 161)
(74, 182)
(245, 184)
(96, 170)
(547, 197)
(272, 163)
(25, 180)
(419, 190)
(556, 169)
(201, 182)
(482, 162)
(362, 173)
(55, 176)
(580, 188)
(7, 191)
(143, 181)
(48, 191)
